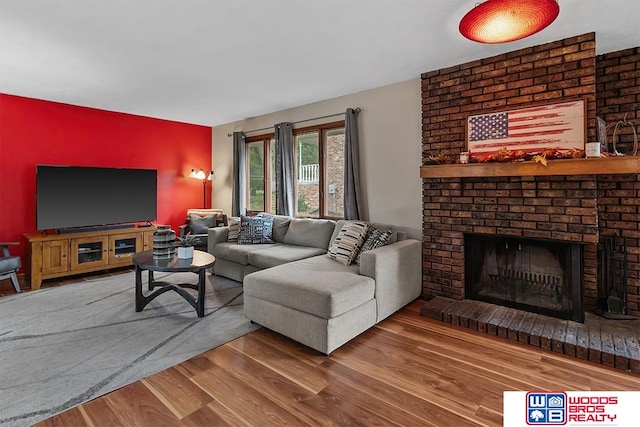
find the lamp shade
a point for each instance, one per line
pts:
(500, 21)
(197, 175)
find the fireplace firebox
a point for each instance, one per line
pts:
(541, 276)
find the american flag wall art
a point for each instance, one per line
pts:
(547, 127)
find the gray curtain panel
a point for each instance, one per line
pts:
(285, 172)
(352, 204)
(238, 202)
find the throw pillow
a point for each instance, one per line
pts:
(280, 226)
(255, 229)
(346, 245)
(200, 224)
(375, 239)
(234, 229)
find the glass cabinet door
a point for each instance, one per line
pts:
(122, 247)
(88, 252)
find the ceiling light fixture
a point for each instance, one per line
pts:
(501, 21)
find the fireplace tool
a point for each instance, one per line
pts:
(612, 279)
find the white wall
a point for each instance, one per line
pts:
(390, 150)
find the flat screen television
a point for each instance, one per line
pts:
(78, 196)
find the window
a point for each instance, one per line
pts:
(256, 194)
(307, 165)
(319, 171)
(334, 199)
(260, 174)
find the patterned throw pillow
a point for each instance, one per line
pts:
(375, 239)
(234, 229)
(348, 242)
(255, 229)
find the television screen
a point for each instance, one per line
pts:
(75, 196)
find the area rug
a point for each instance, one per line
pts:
(65, 345)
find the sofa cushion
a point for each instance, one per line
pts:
(316, 285)
(310, 232)
(200, 224)
(234, 229)
(281, 254)
(10, 263)
(237, 253)
(347, 244)
(256, 229)
(280, 226)
(375, 239)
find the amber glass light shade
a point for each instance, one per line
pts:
(501, 21)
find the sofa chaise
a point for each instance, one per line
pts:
(292, 287)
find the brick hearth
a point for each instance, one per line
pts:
(612, 343)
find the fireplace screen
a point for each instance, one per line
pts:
(534, 275)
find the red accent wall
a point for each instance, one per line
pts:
(36, 132)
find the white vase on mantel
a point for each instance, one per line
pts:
(185, 252)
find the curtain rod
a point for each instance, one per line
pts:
(358, 109)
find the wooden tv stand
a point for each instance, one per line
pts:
(50, 256)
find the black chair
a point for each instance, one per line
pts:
(9, 265)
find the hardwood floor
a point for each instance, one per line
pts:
(406, 371)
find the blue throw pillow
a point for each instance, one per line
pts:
(255, 229)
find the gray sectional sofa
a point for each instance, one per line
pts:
(292, 287)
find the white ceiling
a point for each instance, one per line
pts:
(215, 61)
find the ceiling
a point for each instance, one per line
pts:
(211, 62)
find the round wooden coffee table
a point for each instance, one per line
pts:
(198, 264)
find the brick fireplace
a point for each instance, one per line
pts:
(575, 206)
(537, 275)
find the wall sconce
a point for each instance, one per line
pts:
(201, 175)
(501, 21)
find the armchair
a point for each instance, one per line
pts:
(9, 265)
(199, 221)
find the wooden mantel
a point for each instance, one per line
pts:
(594, 166)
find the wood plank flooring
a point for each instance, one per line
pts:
(408, 370)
